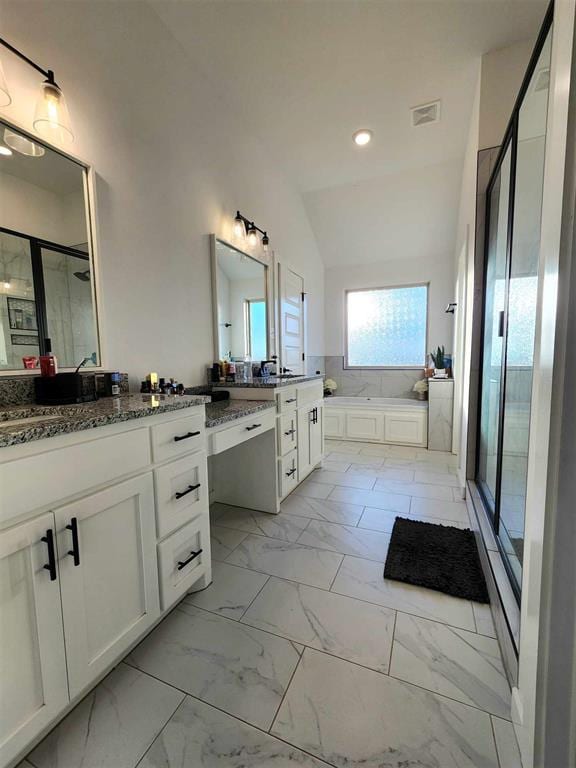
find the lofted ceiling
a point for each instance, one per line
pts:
(306, 74)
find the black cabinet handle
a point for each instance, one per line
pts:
(51, 564)
(292, 472)
(254, 426)
(184, 563)
(290, 400)
(75, 551)
(290, 432)
(186, 436)
(315, 415)
(188, 490)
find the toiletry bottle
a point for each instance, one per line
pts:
(48, 361)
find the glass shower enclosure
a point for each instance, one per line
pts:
(514, 202)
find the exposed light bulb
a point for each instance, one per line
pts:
(51, 118)
(362, 137)
(5, 151)
(239, 228)
(252, 235)
(265, 242)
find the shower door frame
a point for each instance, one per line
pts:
(510, 141)
(36, 244)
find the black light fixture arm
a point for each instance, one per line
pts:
(249, 224)
(48, 73)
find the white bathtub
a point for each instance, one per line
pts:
(392, 420)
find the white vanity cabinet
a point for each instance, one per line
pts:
(86, 574)
(302, 406)
(32, 656)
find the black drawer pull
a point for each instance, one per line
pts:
(290, 400)
(292, 472)
(184, 563)
(188, 490)
(186, 436)
(254, 426)
(75, 551)
(290, 432)
(51, 564)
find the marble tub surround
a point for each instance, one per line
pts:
(289, 658)
(64, 419)
(229, 410)
(440, 414)
(371, 383)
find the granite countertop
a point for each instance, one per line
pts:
(270, 383)
(229, 410)
(36, 422)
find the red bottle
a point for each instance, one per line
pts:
(48, 361)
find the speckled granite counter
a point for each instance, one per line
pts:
(270, 383)
(229, 410)
(36, 422)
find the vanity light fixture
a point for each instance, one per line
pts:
(362, 137)
(245, 228)
(23, 144)
(51, 118)
(5, 150)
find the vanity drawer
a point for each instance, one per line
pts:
(183, 558)
(181, 489)
(288, 473)
(309, 393)
(286, 399)
(287, 433)
(245, 430)
(177, 437)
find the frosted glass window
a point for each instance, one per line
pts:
(386, 327)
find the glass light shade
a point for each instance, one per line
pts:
(5, 98)
(239, 228)
(51, 118)
(265, 243)
(252, 236)
(22, 144)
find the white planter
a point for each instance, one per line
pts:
(440, 373)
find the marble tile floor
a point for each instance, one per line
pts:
(299, 653)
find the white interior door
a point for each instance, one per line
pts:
(291, 319)
(32, 659)
(110, 589)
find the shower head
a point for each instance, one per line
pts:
(84, 276)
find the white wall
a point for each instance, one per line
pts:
(174, 164)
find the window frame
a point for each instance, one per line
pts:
(248, 323)
(347, 365)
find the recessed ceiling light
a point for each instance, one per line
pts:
(362, 137)
(5, 151)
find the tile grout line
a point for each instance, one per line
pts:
(392, 643)
(495, 742)
(300, 657)
(256, 596)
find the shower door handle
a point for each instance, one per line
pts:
(501, 324)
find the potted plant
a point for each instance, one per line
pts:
(421, 389)
(439, 362)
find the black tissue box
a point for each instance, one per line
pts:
(65, 389)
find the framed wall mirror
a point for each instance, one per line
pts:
(46, 256)
(242, 303)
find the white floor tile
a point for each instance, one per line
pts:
(347, 479)
(385, 473)
(113, 726)
(357, 717)
(382, 499)
(421, 490)
(282, 527)
(484, 621)
(339, 625)
(506, 744)
(432, 477)
(237, 668)
(321, 509)
(231, 592)
(383, 520)
(296, 562)
(199, 736)
(223, 541)
(364, 580)
(335, 466)
(347, 540)
(313, 490)
(462, 665)
(444, 510)
(375, 461)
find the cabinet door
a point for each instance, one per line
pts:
(304, 465)
(365, 425)
(32, 659)
(109, 575)
(334, 422)
(317, 435)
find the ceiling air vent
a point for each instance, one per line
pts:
(425, 114)
(542, 82)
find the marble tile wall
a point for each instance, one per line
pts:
(315, 363)
(371, 383)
